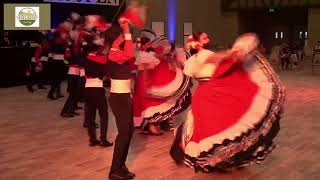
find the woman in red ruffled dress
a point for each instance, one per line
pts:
(235, 109)
(161, 90)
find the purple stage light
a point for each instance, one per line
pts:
(172, 13)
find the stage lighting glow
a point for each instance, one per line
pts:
(172, 14)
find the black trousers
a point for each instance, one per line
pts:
(285, 63)
(95, 99)
(121, 106)
(73, 98)
(82, 84)
(35, 77)
(58, 71)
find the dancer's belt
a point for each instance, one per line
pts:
(57, 57)
(74, 70)
(120, 86)
(33, 60)
(94, 82)
(82, 72)
(44, 58)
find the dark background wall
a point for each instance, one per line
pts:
(15, 60)
(266, 24)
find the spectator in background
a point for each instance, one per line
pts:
(5, 39)
(294, 58)
(285, 57)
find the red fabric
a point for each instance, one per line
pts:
(190, 39)
(262, 50)
(37, 54)
(140, 101)
(67, 53)
(132, 66)
(132, 15)
(221, 102)
(161, 75)
(77, 45)
(45, 46)
(121, 56)
(61, 29)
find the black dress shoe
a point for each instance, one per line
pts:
(75, 113)
(131, 174)
(106, 143)
(165, 126)
(119, 176)
(30, 89)
(94, 143)
(67, 115)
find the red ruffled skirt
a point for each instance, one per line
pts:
(160, 93)
(234, 117)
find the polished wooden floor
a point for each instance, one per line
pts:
(37, 144)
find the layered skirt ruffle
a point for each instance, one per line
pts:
(234, 118)
(167, 96)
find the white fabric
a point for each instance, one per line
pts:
(127, 37)
(146, 58)
(246, 43)
(33, 60)
(95, 82)
(33, 44)
(197, 67)
(161, 108)
(58, 57)
(82, 72)
(44, 58)
(294, 58)
(120, 86)
(74, 71)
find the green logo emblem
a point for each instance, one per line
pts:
(27, 16)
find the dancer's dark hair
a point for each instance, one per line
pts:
(196, 37)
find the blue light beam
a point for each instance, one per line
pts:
(172, 15)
